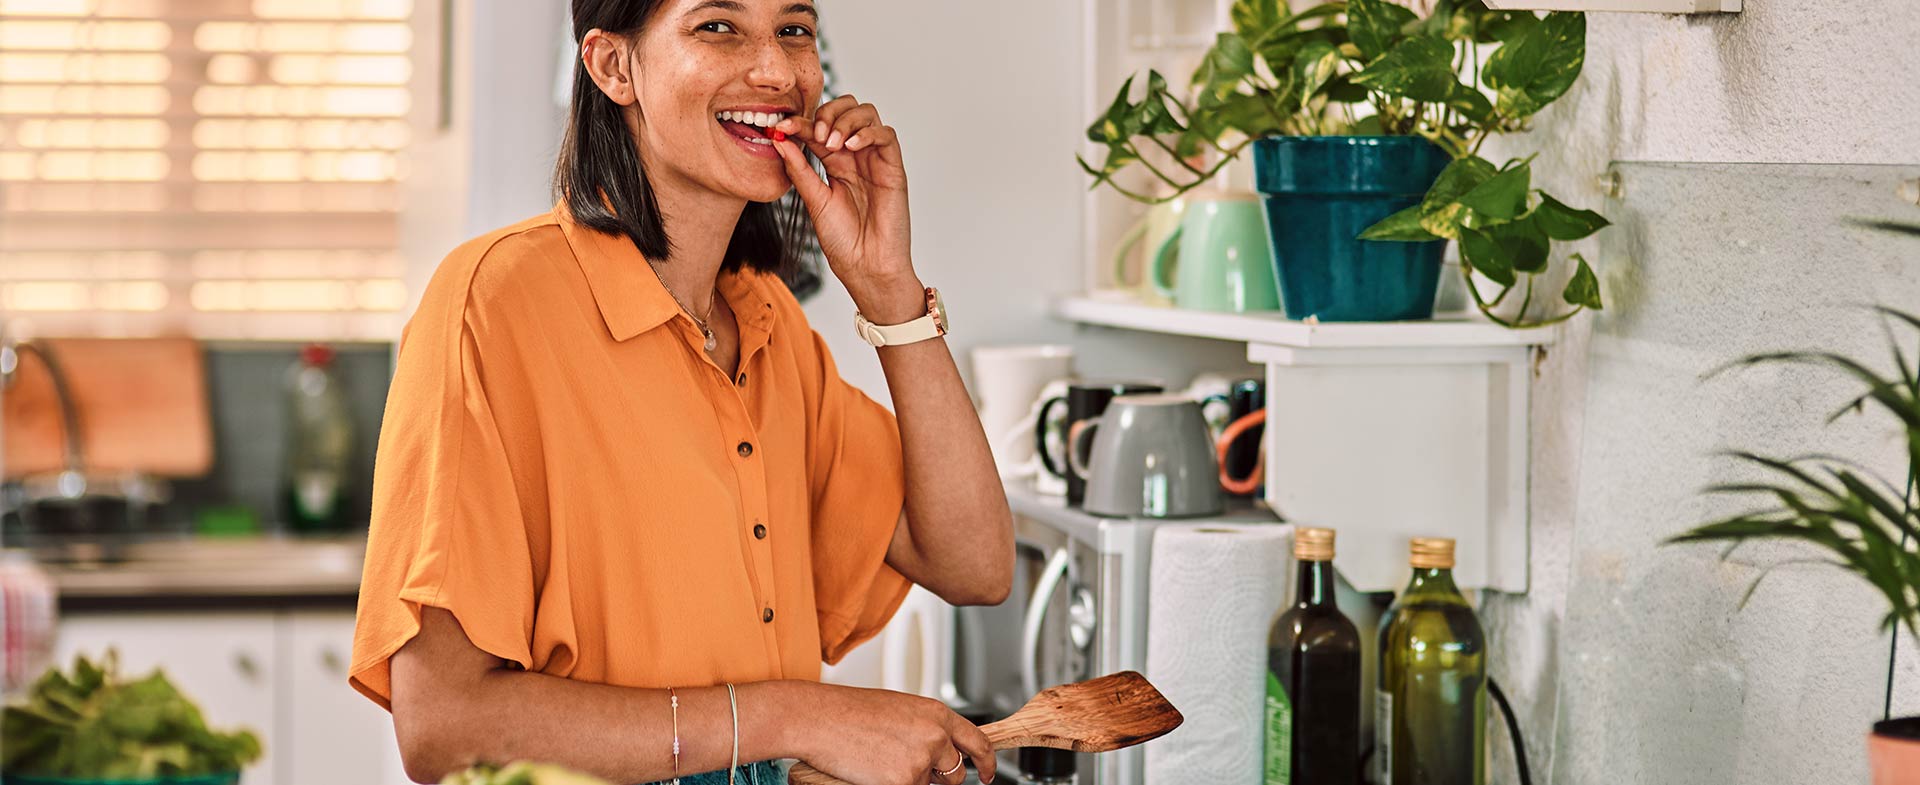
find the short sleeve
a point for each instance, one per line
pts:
(858, 478)
(447, 529)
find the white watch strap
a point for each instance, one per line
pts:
(920, 329)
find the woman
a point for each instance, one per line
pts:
(624, 505)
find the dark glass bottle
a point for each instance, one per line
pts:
(319, 444)
(1430, 718)
(1313, 678)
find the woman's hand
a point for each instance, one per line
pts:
(860, 214)
(877, 737)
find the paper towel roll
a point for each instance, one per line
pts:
(1213, 592)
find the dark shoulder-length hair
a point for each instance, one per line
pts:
(599, 176)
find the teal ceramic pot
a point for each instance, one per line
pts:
(230, 778)
(1320, 193)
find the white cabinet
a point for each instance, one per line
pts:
(331, 734)
(280, 674)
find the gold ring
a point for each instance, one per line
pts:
(956, 766)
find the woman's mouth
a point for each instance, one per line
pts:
(750, 131)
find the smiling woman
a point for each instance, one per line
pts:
(624, 505)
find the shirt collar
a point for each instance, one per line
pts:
(632, 299)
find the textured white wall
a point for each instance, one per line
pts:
(1637, 657)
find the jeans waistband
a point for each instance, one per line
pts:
(765, 772)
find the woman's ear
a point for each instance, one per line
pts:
(605, 57)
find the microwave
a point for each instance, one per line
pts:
(1078, 610)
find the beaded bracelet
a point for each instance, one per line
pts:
(674, 701)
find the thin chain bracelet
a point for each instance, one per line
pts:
(674, 700)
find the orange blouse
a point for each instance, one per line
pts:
(563, 468)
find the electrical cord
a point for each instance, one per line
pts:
(1513, 731)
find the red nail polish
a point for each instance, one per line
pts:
(779, 135)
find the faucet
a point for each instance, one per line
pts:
(72, 482)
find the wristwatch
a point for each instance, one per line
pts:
(933, 325)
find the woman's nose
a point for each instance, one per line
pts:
(772, 68)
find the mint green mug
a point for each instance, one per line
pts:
(1224, 260)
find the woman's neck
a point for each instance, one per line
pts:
(700, 224)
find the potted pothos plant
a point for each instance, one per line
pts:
(1862, 523)
(1367, 123)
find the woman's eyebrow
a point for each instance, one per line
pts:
(733, 5)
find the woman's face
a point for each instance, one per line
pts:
(700, 67)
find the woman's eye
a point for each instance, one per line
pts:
(717, 27)
(799, 30)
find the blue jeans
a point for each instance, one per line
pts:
(763, 773)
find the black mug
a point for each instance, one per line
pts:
(1084, 401)
(1245, 397)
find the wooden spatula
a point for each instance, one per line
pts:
(1098, 715)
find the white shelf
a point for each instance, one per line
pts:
(1433, 411)
(1629, 6)
(1272, 329)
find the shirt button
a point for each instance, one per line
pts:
(766, 616)
(742, 381)
(759, 531)
(746, 449)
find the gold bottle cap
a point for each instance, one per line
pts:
(1432, 553)
(1312, 544)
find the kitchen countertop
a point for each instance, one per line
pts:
(217, 571)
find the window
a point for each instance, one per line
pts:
(228, 169)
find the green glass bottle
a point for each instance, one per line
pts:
(1430, 712)
(1313, 678)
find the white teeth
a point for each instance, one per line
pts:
(760, 119)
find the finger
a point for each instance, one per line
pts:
(813, 191)
(801, 129)
(824, 116)
(973, 743)
(950, 768)
(851, 121)
(872, 136)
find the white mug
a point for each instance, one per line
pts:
(1043, 482)
(1005, 381)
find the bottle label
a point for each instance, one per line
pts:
(1383, 737)
(1279, 741)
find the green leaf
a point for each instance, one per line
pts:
(1106, 129)
(1584, 288)
(1313, 67)
(1376, 25)
(1254, 19)
(1483, 253)
(1539, 66)
(1255, 115)
(1561, 222)
(1152, 115)
(1503, 26)
(1403, 226)
(1342, 90)
(1225, 64)
(1421, 68)
(1525, 246)
(1440, 210)
(1281, 46)
(1502, 197)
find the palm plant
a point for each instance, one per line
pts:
(1863, 524)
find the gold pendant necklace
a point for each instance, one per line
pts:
(712, 342)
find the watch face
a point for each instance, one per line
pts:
(939, 310)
